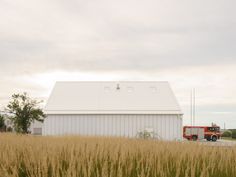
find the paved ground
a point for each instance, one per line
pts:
(221, 142)
(224, 143)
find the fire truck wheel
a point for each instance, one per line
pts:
(208, 138)
(194, 138)
(214, 138)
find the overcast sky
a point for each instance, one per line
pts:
(191, 44)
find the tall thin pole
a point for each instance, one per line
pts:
(194, 107)
(191, 107)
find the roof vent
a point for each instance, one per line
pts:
(107, 89)
(130, 89)
(118, 87)
(153, 89)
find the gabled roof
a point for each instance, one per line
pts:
(112, 98)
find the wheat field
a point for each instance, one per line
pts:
(72, 156)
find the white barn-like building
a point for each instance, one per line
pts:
(113, 109)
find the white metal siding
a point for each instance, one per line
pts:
(167, 127)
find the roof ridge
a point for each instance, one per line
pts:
(113, 81)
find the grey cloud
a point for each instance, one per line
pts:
(108, 35)
(156, 39)
(217, 113)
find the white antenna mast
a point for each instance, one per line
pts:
(192, 107)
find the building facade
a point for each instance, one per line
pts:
(113, 109)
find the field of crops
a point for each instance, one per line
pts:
(22, 155)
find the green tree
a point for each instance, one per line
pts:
(227, 133)
(24, 111)
(2, 123)
(234, 134)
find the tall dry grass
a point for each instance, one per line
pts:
(25, 156)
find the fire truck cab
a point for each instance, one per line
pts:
(201, 132)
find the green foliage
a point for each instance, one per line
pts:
(2, 122)
(234, 134)
(144, 135)
(9, 129)
(24, 111)
(227, 133)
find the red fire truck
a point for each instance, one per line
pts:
(194, 133)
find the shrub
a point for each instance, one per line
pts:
(2, 123)
(9, 129)
(227, 133)
(145, 135)
(234, 134)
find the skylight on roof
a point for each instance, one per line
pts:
(153, 89)
(130, 89)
